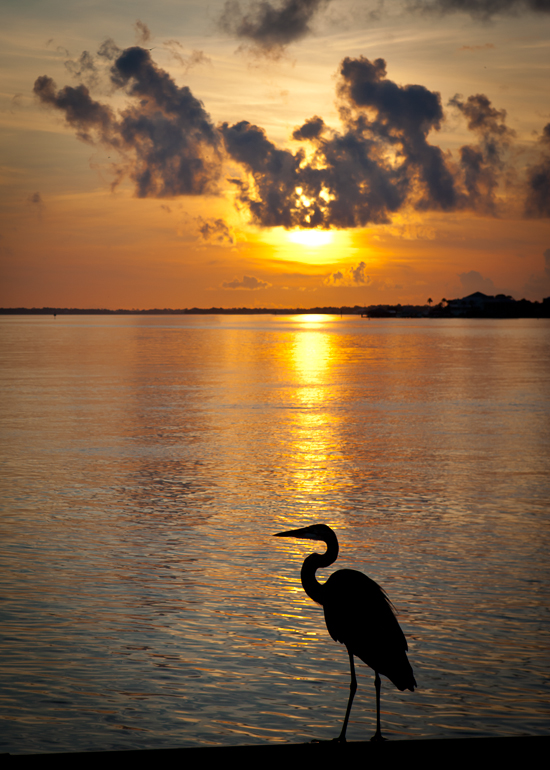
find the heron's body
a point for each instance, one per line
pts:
(359, 615)
(370, 632)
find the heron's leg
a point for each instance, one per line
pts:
(352, 691)
(378, 734)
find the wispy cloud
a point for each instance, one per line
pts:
(143, 33)
(248, 282)
(483, 47)
(480, 9)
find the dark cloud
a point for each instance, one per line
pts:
(538, 197)
(538, 181)
(481, 9)
(482, 117)
(215, 231)
(166, 137)
(270, 27)
(312, 129)
(381, 161)
(276, 173)
(404, 115)
(89, 118)
(248, 282)
(483, 163)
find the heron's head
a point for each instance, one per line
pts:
(314, 532)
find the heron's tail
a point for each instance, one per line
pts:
(401, 674)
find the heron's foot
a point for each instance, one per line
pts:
(378, 737)
(329, 740)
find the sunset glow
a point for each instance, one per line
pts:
(186, 157)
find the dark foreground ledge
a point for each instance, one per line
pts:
(454, 750)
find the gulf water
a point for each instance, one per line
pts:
(146, 463)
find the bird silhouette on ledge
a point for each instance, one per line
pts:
(358, 614)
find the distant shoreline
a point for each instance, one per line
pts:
(519, 309)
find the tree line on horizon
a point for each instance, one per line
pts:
(501, 307)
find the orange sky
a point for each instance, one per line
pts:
(416, 197)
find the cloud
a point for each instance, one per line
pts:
(353, 276)
(109, 50)
(483, 163)
(165, 136)
(381, 161)
(378, 164)
(248, 282)
(276, 175)
(36, 205)
(194, 59)
(404, 117)
(538, 284)
(481, 9)
(476, 47)
(538, 198)
(88, 117)
(537, 202)
(143, 33)
(474, 281)
(215, 231)
(84, 68)
(270, 27)
(311, 130)
(35, 199)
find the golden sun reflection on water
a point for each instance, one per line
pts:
(311, 360)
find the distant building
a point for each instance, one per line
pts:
(480, 304)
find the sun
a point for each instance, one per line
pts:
(310, 246)
(310, 238)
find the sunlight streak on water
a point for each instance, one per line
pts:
(146, 464)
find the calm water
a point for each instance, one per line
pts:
(147, 461)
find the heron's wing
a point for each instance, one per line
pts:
(359, 614)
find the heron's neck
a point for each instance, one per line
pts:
(316, 561)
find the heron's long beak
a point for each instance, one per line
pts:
(304, 533)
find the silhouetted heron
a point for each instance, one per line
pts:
(358, 614)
